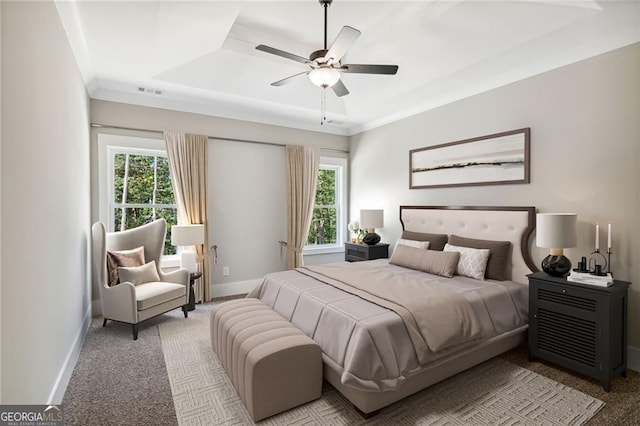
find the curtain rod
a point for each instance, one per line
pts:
(105, 126)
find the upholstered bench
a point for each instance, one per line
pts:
(272, 365)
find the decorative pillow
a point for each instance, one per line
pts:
(436, 241)
(139, 274)
(431, 261)
(119, 258)
(424, 245)
(473, 262)
(499, 255)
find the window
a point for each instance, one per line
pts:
(142, 191)
(327, 230)
(135, 185)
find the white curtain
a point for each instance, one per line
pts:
(187, 155)
(302, 178)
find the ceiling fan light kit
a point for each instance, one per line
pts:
(324, 77)
(326, 68)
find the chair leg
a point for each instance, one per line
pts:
(185, 310)
(104, 323)
(135, 331)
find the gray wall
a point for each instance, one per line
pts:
(584, 156)
(246, 184)
(45, 205)
(246, 201)
(0, 207)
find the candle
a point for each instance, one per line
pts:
(597, 236)
(609, 236)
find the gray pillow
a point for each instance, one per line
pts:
(436, 241)
(115, 259)
(499, 255)
(139, 274)
(431, 261)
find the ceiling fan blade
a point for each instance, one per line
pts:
(281, 53)
(347, 36)
(340, 89)
(287, 80)
(369, 69)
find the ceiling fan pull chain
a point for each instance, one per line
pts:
(323, 106)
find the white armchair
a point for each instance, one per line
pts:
(135, 302)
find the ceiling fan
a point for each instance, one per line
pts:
(325, 64)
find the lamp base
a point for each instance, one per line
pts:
(371, 239)
(188, 261)
(556, 265)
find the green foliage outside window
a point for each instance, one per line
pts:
(323, 228)
(148, 194)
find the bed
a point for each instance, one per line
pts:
(380, 324)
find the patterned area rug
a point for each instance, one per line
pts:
(496, 392)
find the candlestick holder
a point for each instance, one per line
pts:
(596, 268)
(609, 251)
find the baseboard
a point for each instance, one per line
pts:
(60, 386)
(633, 358)
(96, 308)
(232, 289)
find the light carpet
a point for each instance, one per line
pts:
(494, 393)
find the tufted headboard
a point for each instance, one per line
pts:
(513, 224)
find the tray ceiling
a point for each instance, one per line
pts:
(200, 56)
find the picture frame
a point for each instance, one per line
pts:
(496, 159)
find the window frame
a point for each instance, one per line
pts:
(112, 151)
(340, 166)
(108, 146)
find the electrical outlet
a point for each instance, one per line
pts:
(225, 271)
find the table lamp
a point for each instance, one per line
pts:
(370, 220)
(556, 231)
(188, 236)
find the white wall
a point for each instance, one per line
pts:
(584, 156)
(45, 205)
(246, 184)
(247, 199)
(0, 206)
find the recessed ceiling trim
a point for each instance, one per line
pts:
(70, 17)
(462, 51)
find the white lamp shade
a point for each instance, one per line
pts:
(324, 77)
(372, 219)
(187, 235)
(556, 230)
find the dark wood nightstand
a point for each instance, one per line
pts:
(578, 326)
(357, 252)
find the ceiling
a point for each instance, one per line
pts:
(200, 56)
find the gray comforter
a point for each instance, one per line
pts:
(371, 342)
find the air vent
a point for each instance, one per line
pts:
(355, 253)
(567, 336)
(149, 90)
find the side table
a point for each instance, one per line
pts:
(579, 326)
(193, 276)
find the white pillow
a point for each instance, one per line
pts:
(139, 274)
(424, 245)
(472, 263)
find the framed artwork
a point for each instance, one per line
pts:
(501, 158)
